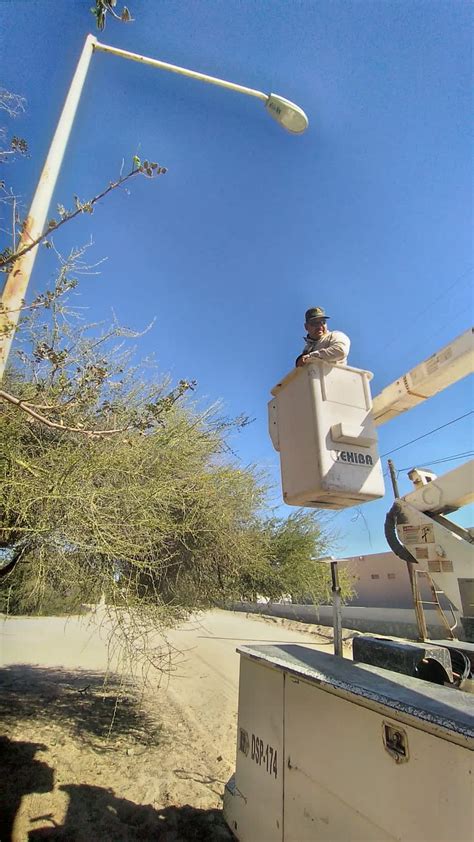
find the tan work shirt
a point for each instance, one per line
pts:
(333, 347)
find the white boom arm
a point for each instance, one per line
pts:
(439, 371)
(440, 548)
(444, 494)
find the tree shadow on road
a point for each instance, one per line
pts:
(59, 705)
(94, 812)
(87, 704)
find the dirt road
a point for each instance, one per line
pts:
(93, 767)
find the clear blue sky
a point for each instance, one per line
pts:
(369, 214)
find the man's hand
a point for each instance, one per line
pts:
(305, 358)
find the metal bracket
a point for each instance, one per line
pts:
(395, 741)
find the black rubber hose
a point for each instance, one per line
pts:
(392, 537)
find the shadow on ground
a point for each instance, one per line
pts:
(94, 812)
(111, 818)
(21, 774)
(82, 702)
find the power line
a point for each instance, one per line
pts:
(430, 462)
(430, 433)
(442, 294)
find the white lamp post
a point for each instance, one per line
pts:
(285, 112)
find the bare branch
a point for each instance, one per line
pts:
(8, 568)
(51, 407)
(85, 207)
(54, 424)
(124, 17)
(14, 222)
(13, 104)
(102, 7)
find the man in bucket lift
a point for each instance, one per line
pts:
(332, 346)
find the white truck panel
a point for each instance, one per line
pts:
(368, 755)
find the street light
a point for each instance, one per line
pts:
(285, 112)
(289, 115)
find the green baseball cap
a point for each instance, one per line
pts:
(315, 314)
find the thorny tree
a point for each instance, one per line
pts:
(114, 484)
(105, 470)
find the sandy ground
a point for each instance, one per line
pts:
(89, 754)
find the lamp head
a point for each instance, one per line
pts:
(285, 112)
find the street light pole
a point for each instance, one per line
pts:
(17, 281)
(289, 115)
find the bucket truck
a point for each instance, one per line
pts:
(381, 747)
